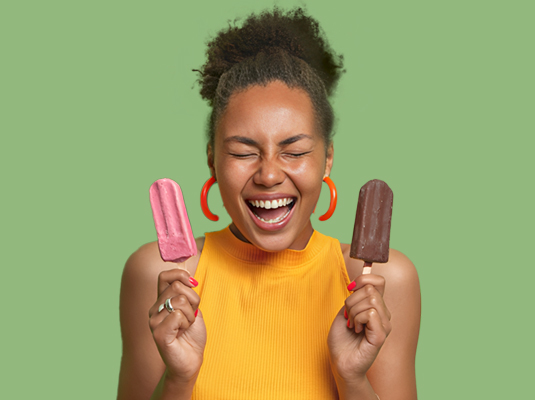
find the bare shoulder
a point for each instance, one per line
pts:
(398, 272)
(146, 261)
(141, 364)
(393, 371)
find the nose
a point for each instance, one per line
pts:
(269, 173)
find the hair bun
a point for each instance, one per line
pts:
(270, 32)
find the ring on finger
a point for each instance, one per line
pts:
(166, 305)
(169, 306)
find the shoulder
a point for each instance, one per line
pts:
(399, 272)
(146, 262)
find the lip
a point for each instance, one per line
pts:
(275, 226)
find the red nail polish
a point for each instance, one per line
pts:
(196, 312)
(193, 281)
(348, 323)
(345, 313)
(351, 286)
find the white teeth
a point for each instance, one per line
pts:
(269, 204)
(273, 221)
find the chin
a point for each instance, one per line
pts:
(275, 243)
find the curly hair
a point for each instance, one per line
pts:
(273, 45)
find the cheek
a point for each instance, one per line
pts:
(231, 179)
(308, 178)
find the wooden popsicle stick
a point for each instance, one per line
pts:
(367, 268)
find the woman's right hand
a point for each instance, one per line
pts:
(179, 335)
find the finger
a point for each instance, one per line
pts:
(370, 320)
(367, 294)
(172, 326)
(166, 278)
(178, 303)
(369, 279)
(176, 289)
(375, 301)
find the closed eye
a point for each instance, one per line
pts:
(241, 155)
(298, 154)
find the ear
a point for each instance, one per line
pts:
(329, 160)
(210, 155)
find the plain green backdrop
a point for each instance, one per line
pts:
(98, 100)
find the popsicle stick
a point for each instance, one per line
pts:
(182, 265)
(367, 268)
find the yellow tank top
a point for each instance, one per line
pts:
(267, 318)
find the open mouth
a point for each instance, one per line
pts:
(271, 211)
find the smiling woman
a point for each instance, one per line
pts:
(267, 147)
(286, 313)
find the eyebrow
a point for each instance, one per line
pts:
(249, 141)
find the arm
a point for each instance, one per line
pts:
(143, 372)
(141, 364)
(379, 355)
(167, 389)
(392, 374)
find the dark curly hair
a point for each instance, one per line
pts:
(273, 45)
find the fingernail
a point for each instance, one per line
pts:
(196, 312)
(345, 313)
(193, 281)
(351, 286)
(348, 323)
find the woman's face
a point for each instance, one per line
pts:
(269, 161)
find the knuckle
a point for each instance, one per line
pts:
(181, 300)
(162, 275)
(382, 279)
(176, 286)
(152, 324)
(196, 301)
(182, 274)
(369, 289)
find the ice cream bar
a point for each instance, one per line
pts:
(175, 238)
(371, 235)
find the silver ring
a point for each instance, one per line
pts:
(161, 307)
(169, 306)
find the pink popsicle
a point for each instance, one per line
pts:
(175, 238)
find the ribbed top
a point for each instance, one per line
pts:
(267, 317)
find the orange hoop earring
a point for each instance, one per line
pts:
(204, 200)
(334, 199)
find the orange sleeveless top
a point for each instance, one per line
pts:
(267, 318)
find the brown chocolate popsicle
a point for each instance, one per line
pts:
(371, 236)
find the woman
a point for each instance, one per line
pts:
(269, 308)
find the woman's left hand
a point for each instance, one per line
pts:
(353, 349)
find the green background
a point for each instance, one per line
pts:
(99, 100)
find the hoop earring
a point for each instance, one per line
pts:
(334, 199)
(204, 200)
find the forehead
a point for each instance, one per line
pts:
(268, 112)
